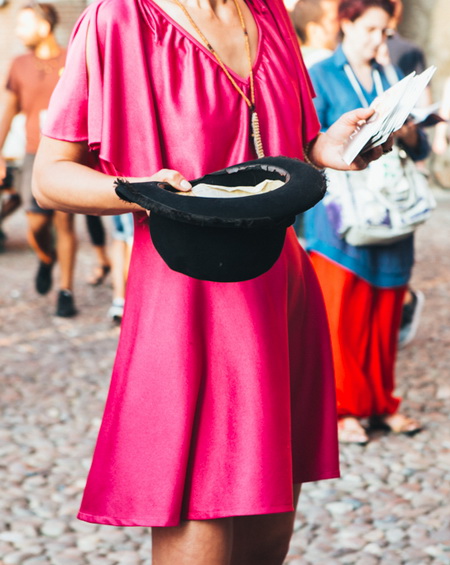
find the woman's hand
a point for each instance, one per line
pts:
(328, 148)
(408, 134)
(174, 178)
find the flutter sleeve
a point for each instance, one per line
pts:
(310, 122)
(67, 116)
(105, 95)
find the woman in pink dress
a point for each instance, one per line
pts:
(222, 395)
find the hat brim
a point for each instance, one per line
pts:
(303, 187)
(227, 239)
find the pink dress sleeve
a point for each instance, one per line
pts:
(121, 107)
(67, 117)
(310, 121)
(104, 95)
(87, 89)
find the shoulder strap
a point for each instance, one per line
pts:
(357, 87)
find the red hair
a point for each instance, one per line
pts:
(354, 9)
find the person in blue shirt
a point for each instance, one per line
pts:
(363, 286)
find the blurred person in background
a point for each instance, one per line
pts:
(10, 199)
(363, 286)
(30, 83)
(13, 154)
(316, 24)
(441, 137)
(122, 245)
(289, 5)
(317, 27)
(401, 53)
(97, 235)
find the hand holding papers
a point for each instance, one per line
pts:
(392, 108)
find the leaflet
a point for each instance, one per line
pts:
(392, 107)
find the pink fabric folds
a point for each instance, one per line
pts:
(222, 394)
(156, 95)
(217, 404)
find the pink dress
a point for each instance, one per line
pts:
(222, 394)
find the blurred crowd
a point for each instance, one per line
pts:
(356, 36)
(51, 234)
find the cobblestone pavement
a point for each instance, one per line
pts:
(391, 506)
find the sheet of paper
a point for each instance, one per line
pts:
(219, 191)
(393, 108)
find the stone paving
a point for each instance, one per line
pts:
(391, 506)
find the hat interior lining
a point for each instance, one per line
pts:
(248, 176)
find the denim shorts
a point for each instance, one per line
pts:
(123, 228)
(28, 199)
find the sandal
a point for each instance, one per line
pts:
(397, 424)
(351, 431)
(99, 275)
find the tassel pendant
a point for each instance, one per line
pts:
(256, 134)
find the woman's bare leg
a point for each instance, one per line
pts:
(66, 247)
(263, 540)
(40, 236)
(241, 540)
(195, 542)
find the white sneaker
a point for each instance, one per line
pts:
(411, 318)
(115, 311)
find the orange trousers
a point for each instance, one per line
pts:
(364, 322)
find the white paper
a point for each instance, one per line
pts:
(219, 191)
(393, 108)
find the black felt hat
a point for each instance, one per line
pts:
(227, 239)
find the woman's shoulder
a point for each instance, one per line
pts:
(111, 7)
(110, 12)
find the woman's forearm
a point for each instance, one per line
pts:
(72, 187)
(62, 180)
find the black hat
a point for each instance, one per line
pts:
(227, 239)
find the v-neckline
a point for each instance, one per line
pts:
(195, 41)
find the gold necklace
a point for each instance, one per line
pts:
(254, 120)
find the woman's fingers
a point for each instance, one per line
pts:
(363, 159)
(348, 125)
(174, 178)
(359, 116)
(387, 145)
(352, 121)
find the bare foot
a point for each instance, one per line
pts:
(99, 275)
(351, 431)
(401, 424)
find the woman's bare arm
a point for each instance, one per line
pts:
(10, 109)
(63, 180)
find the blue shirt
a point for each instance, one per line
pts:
(381, 265)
